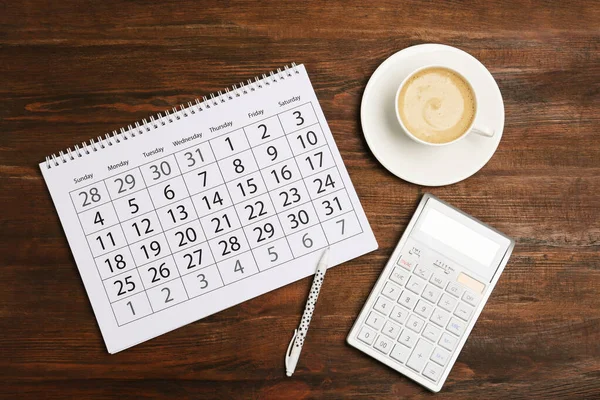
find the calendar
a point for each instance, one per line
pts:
(207, 205)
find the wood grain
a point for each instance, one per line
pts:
(73, 70)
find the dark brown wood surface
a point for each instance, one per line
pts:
(72, 70)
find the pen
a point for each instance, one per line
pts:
(291, 357)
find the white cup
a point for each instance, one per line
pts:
(483, 131)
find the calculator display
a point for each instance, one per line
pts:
(459, 237)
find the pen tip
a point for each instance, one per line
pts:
(325, 256)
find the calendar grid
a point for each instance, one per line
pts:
(297, 166)
(225, 133)
(126, 295)
(129, 242)
(90, 249)
(176, 182)
(219, 287)
(233, 203)
(135, 265)
(201, 227)
(280, 213)
(268, 194)
(168, 245)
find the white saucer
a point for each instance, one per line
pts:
(415, 162)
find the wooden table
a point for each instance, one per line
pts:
(73, 70)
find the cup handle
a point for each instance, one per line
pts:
(483, 131)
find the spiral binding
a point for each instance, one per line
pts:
(167, 117)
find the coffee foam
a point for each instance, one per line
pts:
(436, 105)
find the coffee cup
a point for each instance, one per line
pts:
(436, 106)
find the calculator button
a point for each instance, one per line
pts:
(431, 293)
(400, 353)
(415, 323)
(432, 372)
(383, 305)
(438, 281)
(375, 320)
(407, 299)
(399, 314)
(463, 311)
(439, 356)
(422, 272)
(366, 335)
(419, 355)
(447, 303)
(424, 309)
(390, 329)
(456, 326)
(470, 298)
(399, 276)
(448, 341)
(391, 291)
(431, 332)
(408, 338)
(439, 317)
(407, 262)
(455, 289)
(415, 285)
(383, 344)
(470, 282)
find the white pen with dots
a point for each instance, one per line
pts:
(295, 346)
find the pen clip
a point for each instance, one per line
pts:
(289, 349)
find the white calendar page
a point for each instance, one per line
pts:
(208, 211)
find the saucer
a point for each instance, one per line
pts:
(415, 162)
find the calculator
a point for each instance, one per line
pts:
(431, 292)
